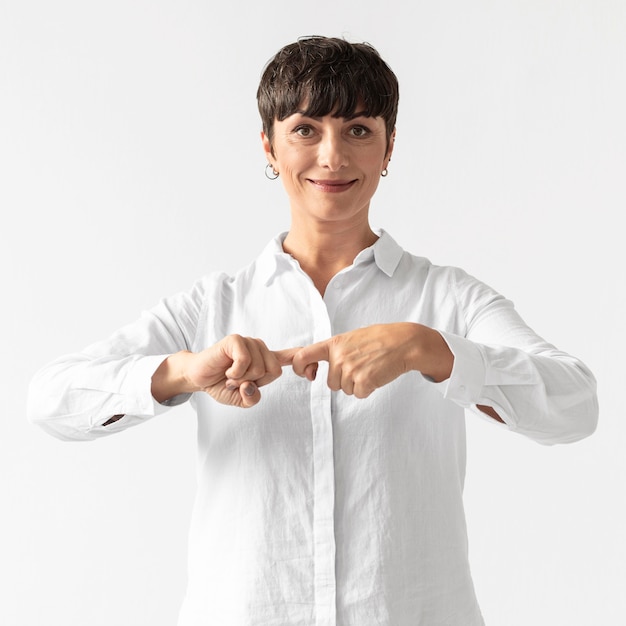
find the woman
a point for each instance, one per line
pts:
(336, 497)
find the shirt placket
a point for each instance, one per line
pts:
(324, 470)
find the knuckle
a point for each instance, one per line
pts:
(350, 370)
(362, 392)
(255, 371)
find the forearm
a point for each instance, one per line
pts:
(73, 397)
(548, 396)
(560, 407)
(81, 395)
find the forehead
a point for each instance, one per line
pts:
(319, 100)
(338, 110)
(375, 124)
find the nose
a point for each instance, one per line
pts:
(332, 151)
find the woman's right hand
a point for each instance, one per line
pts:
(231, 371)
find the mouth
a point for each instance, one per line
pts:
(332, 186)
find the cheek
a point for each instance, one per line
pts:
(292, 167)
(373, 186)
(290, 180)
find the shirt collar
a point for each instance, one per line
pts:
(385, 252)
(272, 259)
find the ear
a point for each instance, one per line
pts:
(267, 147)
(392, 141)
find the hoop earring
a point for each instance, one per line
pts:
(274, 172)
(384, 172)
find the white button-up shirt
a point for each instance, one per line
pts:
(314, 507)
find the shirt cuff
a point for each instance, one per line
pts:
(467, 379)
(136, 389)
(138, 384)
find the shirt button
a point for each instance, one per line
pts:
(337, 284)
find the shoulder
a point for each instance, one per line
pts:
(413, 266)
(449, 281)
(220, 285)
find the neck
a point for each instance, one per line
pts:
(323, 252)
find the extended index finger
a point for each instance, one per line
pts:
(285, 357)
(306, 359)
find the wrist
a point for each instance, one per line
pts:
(430, 354)
(170, 378)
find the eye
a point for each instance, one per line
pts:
(303, 131)
(359, 131)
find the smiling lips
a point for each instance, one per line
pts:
(332, 186)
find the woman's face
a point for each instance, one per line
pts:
(330, 167)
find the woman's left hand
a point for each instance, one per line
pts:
(365, 359)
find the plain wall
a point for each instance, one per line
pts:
(130, 165)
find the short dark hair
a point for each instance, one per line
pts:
(331, 76)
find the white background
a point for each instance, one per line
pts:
(130, 165)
